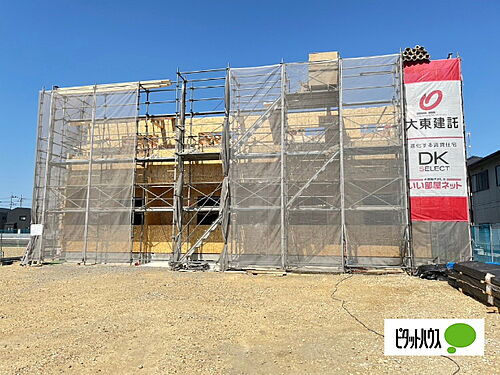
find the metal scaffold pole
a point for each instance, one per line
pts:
(47, 174)
(179, 184)
(225, 196)
(89, 178)
(283, 228)
(134, 178)
(468, 182)
(406, 185)
(343, 239)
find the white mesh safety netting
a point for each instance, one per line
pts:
(302, 192)
(314, 154)
(376, 215)
(84, 178)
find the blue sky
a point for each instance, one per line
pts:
(79, 42)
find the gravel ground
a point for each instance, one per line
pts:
(120, 319)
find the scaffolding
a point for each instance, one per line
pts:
(317, 166)
(289, 166)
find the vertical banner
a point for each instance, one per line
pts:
(436, 144)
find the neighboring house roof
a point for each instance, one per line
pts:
(473, 159)
(21, 209)
(476, 161)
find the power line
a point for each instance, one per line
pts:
(13, 201)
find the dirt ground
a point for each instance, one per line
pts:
(13, 251)
(120, 319)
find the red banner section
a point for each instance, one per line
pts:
(437, 70)
(439, 209)
(435, 140)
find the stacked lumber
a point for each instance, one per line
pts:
(478, 280)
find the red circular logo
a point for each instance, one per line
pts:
(426, 99)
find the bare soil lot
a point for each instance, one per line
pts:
(119, 319)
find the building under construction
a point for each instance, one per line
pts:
(293, 166)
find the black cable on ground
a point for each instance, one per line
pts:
(343, 302)
(455, 362)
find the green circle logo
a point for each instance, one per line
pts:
(459, 335)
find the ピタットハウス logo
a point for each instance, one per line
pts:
(434, 336)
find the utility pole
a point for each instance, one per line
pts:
(12, 197)
(13, 200)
